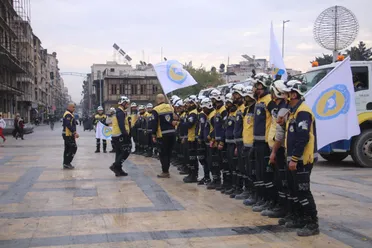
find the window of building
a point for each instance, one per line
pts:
(360, 78)
(98, 74)
(112, 70)
(154, 89)
(134, 89)
(143, 89)
(113, 89)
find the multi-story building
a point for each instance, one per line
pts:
(10, 60)
(25, 80)
(140, 84)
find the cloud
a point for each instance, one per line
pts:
(246, 34)
(305, 46)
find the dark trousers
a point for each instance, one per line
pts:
(299, 186)
(280, 177)
(240, 167)
(224, 165)
(149, 143)
(70, 149)
(123, 147)
(192, 157)
(213, 162)
(202, 157)
(98, 144)
(233, 160)
(262, 153)
(165, 146)
(247, 175)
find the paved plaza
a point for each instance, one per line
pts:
(42, 205)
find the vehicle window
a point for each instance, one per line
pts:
(360, 78)
(313, 77)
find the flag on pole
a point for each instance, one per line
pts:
(172, 76)
(276, 59)
(103, 132)
(332, 101)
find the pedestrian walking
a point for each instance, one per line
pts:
(121, 137)
(69, 135)
(2, 127)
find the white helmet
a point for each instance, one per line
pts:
(100, 108)
(124, 99)
(248, 91)
(112, 110)
(264, 79)
(200, 98)
(279, 88)
(206, 103)
(229, 98)
(173, 99)
(239, 89)
(133, 105)
(295, 85)
(217, 95)
(178, 103)
(141, 107)
(149, 105)
(191, 99)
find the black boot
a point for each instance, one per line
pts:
(97, 150)
(215, 183)
(311, 228)
(192, 178)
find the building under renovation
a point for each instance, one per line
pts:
(29, 77)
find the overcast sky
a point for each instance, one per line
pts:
(82, 32)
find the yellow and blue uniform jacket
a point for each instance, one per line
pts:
(262, 119)
(162, 120)
(208, 133)
(219, 124)
(202, 118)
(191, 123)
(230, 123)
(120, 123)
(100, 118)
(274, 110)
(69, 124)
(238, 127)
(301, 134)
(148, 120)
(248, 123)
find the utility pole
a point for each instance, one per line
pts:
(284, 22)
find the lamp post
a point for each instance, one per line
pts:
(284, 22)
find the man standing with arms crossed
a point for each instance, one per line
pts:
(69, 135)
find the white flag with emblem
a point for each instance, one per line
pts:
(103, 132)
(332, 101)
(172, 76)
(276, 58)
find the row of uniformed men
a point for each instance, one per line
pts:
(258, 143)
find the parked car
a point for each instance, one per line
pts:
(28, 128)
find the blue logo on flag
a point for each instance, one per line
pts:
(106, 132)
(332, 103)
(175, 72)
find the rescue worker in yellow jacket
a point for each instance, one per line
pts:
(163, 132)
(69, 135)
(121, 136)
(301, 155)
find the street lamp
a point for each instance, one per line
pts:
(284, 22)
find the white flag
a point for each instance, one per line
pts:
(172, 76)
(103, 132)
(276, 59)
(332, 101)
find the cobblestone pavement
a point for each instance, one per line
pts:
(42, 205)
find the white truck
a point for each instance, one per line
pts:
(359, 147)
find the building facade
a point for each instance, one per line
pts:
(111, 80)
(26, 83)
